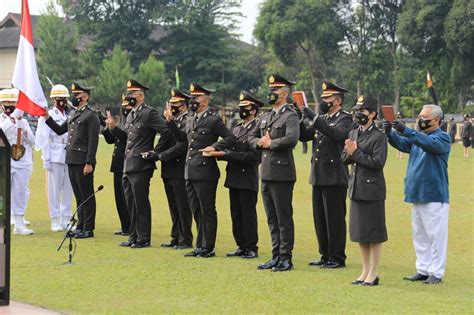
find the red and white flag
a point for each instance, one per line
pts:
(25, 75)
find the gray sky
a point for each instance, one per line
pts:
(249, 9)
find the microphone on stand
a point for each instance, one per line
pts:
(72, 222)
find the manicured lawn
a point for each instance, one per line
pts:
(111, 279)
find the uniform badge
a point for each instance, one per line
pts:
(324, 86)
(129, 83)
(361, 99)
(242, 97)
(191, 87)
(73, 87)
(271, 79)
(173, 93)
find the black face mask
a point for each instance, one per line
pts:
(324, 107)
(272, 97)
(126, 111)
(60, 102)
(244, 113)
(361, 118)
(193, 105)
(175, 110)
(132, 101)
(424, 123)
(8, 109)
(75, 101)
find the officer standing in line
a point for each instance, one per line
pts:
(276, 135)
(172, 160)
(143, 122)
(83, 127)
(201, 172)
(117, 135)
(242, 179)
(329, 175)
(54, 162)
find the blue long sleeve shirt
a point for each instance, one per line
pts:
(427, 171)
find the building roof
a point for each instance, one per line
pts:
(10, 28)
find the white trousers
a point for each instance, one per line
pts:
(59, 191)
(430, 237)
(20, 193)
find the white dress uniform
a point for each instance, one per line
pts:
(59, 185)
(20, 170)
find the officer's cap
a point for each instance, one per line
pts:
(366, 102)
(133, 85)
(124, 100)
(247, 99)
(330, 89)
(197, 90)
(76, 88)
(178, 96)
(276, 81)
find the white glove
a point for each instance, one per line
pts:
(47, 165)
(17, 113)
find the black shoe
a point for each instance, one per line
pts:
(126, 244)
(207, 253)
(357, 282)
(331, 264)
(140, 245)
(168, 245)
(432, 280)
(77, 232)
(371, 284)
(317, 262)
(249, 254)
(85, 234)
(269, 264)
(283, 265)
(194, 253)
(182, 246)
(120, 233)
(238, 252)
(416, 277)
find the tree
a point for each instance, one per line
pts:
(459, 36)
(306, 29)
(152, 74)
(112, 78)
(56, 44)
(199, 39)
(111, 22)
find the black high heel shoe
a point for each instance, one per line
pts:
(371, 284)
(357, 282)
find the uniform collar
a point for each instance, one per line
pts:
(247, 125)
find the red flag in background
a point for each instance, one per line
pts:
(25, 76)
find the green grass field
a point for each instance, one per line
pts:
(110, 279)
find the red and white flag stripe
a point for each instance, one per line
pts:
(25, 75)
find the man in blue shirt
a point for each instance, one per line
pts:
(426, 187)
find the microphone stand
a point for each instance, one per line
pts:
(72, 222)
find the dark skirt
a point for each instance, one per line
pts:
(367, 221)
(466, 142)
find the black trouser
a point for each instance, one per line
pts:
(243, 211)
(83, 187)
(181, 216)
(305, 147)
(329, 215)
(120, 203)
(277, 199)
(202, 201)
(137, 189)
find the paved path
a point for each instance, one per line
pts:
(18, 308)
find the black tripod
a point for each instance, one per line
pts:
(70, 234)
